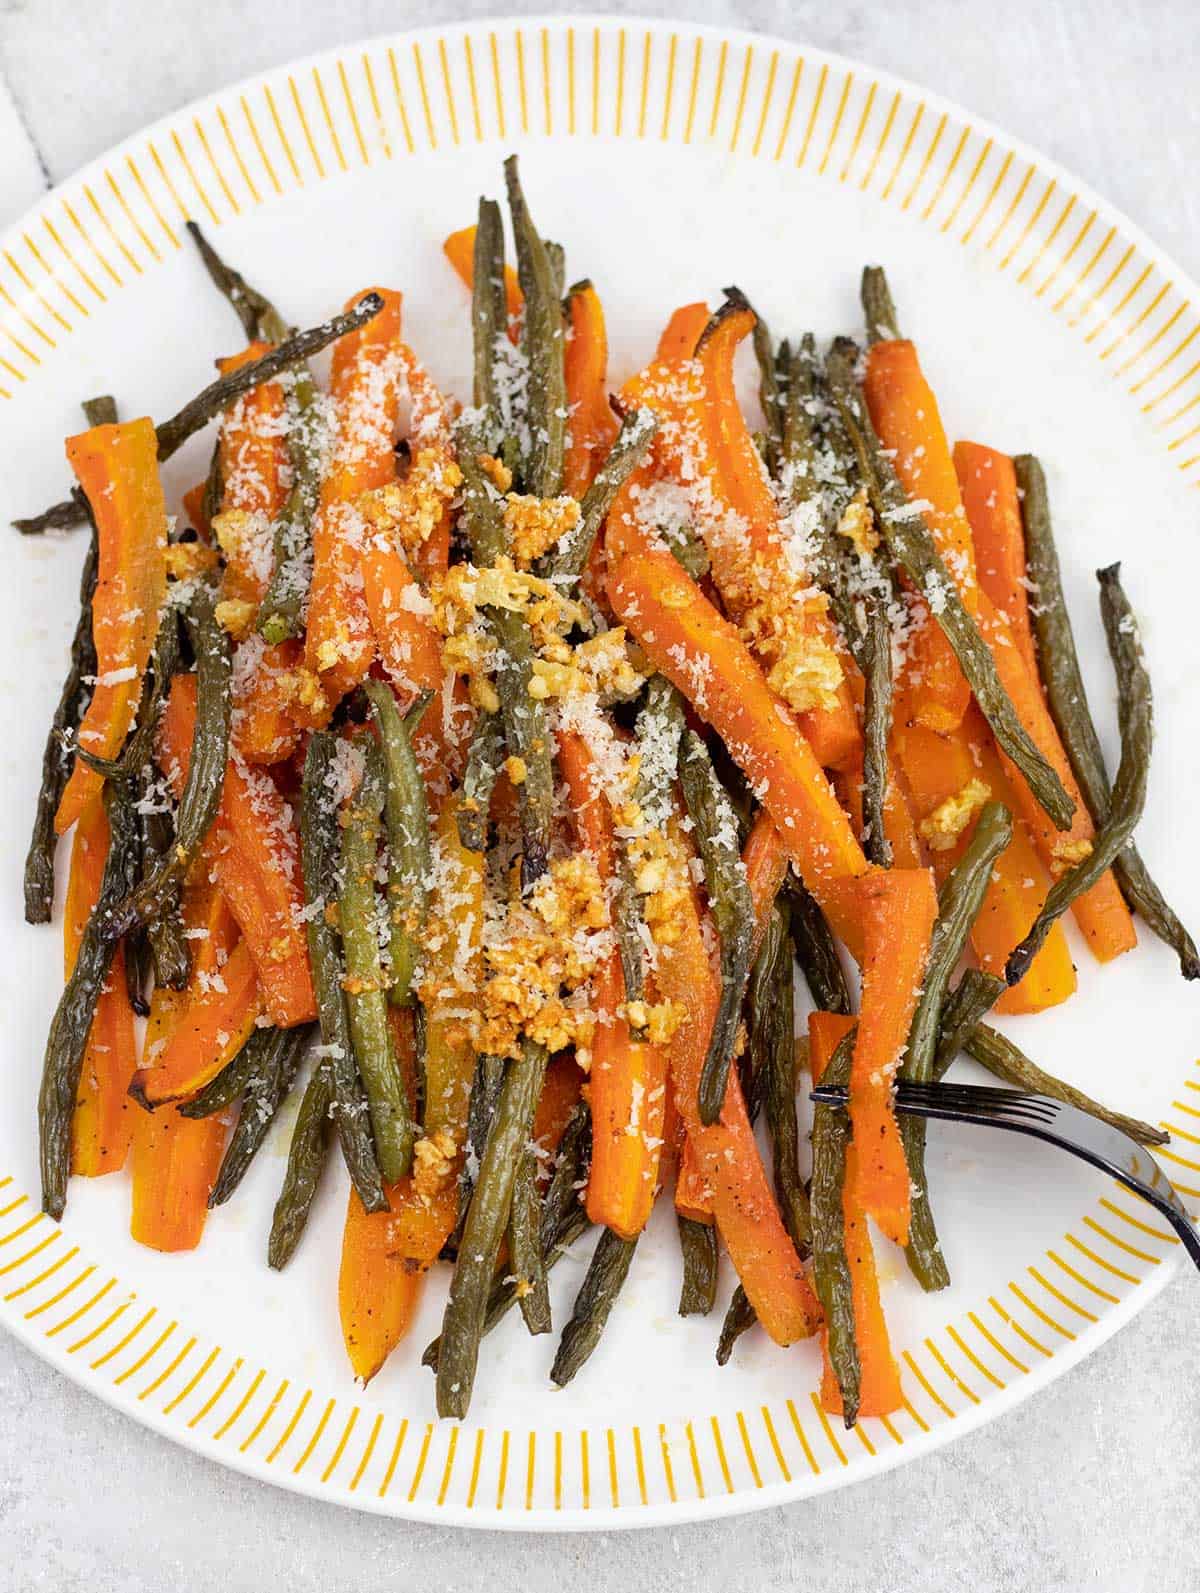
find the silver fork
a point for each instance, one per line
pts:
(1053, 1121)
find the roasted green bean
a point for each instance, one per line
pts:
(100, 411)
(878, 308)
(975, 994)
(568, 560)
(261, 321)
(366, 1000)
(912, 546)
(698, 1247)
(739, 1317)
(527, 737)
(485, 1226)
(489, 311)
(605, 1276)
(1066, 696)
(306, 1160)
(226, 390)
(481, 1109)
(318, 827)
(233, 1079)
(997, 1053)
(1136, 715)
(206, 771)
(72, 1021)
(772, 1037)
(543, 344)
(816, 950)
(959, 901)
(831, 1268)
(770, 394)
(877, 729)
(56, 758)
(280, 614)
(266, 1088)
(563, 1220)
(409, 851)
(168, 944)
(484, 761)
(732, 910)
(525, 1245)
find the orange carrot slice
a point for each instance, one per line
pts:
(931, 689)
(628, 1077)
(365, 385)
(175, 1159)
(726, 1151)
(899, 907)
(117, 467)
(592, 424)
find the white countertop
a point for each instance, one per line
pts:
(1090, 1486)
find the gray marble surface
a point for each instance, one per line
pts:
(1092, 1486)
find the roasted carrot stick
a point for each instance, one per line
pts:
(765, 859)
(628, 1076)
(988, 484)
(899, 907)
(592, 423)
(702, 654)
(409, 647)
(365, 387)
(950, 777)
(102, 1125)
(742, 1203)
(256, 858)
(385, 1256)
(879, 1388)
(254, 466)
(175, 1159)
(931, 688)
(682, 332)
(561, 1089)
(117, 467)
(209, 1030)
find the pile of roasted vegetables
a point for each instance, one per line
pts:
(500, 764)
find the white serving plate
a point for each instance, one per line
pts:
(670, 161)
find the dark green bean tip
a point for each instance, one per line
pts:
(831, 1267)
(293, 350)
(63, 516)
(606, 1273)
(698, 1248)
(539, 271)
(305, 1163)
(739, 1318)
(878, 306)
(261, 321)
(100, 411)
(278, 1055)
(997, 1053)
